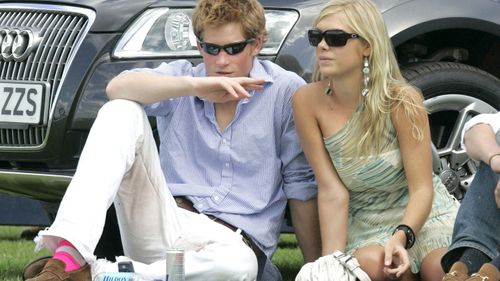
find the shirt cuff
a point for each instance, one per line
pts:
(492, 119)
(302, 192)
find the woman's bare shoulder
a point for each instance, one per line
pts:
(308, 93)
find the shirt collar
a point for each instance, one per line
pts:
(259, 72)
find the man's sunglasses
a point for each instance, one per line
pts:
(333, 37)
(231, 49)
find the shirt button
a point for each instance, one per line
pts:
(200, 205)
(216, 198)
(227, 164)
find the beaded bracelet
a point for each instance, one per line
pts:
(410, 235)
(491, 158)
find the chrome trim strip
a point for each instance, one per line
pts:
(33, 184)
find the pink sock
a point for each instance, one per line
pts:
(69, 255)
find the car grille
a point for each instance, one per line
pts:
(61, 30)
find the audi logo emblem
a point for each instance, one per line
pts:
(17, 43)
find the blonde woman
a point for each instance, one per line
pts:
(366, 135)
(219, 186)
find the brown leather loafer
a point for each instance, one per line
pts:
(54, 271)
(35, 267)
(458, 272)
(487, 272)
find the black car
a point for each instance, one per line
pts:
(58, 55)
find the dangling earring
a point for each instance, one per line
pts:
(366, 77)
(328, 90)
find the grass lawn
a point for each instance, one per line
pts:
(15, 253)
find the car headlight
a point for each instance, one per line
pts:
(165, 32)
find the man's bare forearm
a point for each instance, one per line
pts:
(481, 143)
(305, 221)
(146, 88)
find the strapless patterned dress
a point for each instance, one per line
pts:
(379, 194)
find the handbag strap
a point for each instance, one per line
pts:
(352, 264)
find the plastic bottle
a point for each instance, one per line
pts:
(118, 276)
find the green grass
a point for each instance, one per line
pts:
(15, 253)
(288, 257)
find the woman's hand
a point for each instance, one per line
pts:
(396, 260)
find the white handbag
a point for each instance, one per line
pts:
(335, 267)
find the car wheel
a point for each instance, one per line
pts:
(454, 93)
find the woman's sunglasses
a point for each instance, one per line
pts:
(231, 49)
(333, 37)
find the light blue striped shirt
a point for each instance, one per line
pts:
(244, 174)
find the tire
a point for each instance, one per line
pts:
(454, 93)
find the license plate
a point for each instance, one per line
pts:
(23, 103)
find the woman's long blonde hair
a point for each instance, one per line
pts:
(387, 86)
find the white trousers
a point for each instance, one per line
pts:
(120, 164)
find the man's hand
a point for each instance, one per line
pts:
(223, 89)
(495, 163)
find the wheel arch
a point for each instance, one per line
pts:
(416, 28)
(446, 30)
